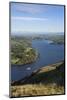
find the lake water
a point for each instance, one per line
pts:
(49, 54)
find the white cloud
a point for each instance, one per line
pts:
(30, 8)
(29, 18)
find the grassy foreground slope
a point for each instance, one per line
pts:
(48, 80)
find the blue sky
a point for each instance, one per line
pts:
(36, 18)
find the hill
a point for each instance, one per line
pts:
(48, 80)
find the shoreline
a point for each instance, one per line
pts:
(37, 57)
(51, 66)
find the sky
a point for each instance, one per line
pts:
(36, 18)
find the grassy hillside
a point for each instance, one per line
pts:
(22, 51)
(48, 80)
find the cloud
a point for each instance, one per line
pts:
(26, 9)
(30, 8)
(29, 18)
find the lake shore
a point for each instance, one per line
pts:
(45, 81)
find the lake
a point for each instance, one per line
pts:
(49, 54)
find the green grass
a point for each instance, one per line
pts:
(36, 89)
